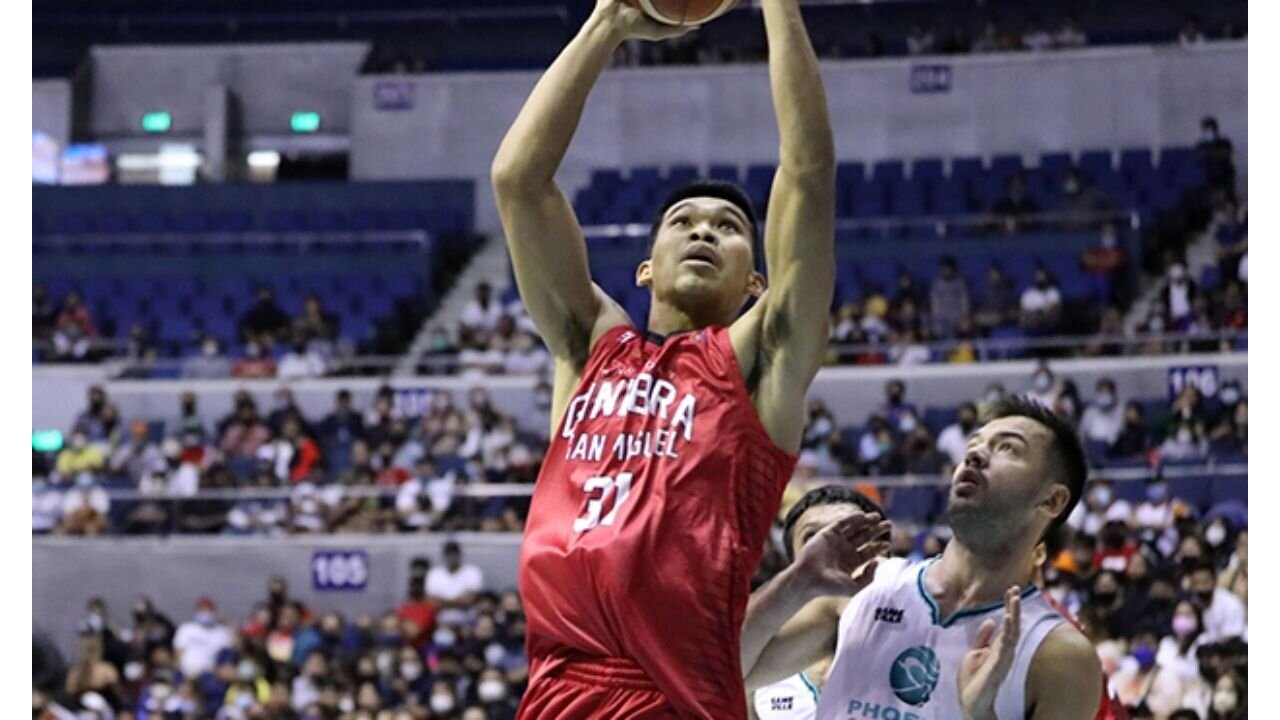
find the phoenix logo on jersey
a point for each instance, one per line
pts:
(914, 675)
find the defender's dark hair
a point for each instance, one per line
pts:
(825, 495)
(1067, 463)
(727, 191)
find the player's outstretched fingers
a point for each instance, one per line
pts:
(863, 577)
(985, 632)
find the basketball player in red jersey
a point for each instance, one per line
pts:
(671, 447)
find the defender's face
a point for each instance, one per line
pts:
(702, 252)
(1004, 471)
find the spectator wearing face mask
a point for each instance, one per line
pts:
(1099, 502)
(1044, 386)
(1136, 675)
(1223, 613)
(895, 403)
(877, 453)
(1186, 442)
(1177, 651)
(80, 457)
(412, 683)
(210, 364)
(199, 640)
(84, 507)
(1179, 294)
(1134, 438)
(1116, 545)
(136, 457)
(493, 695)
(1230, 425)
(1155, 512)
(307, 685)
(1216, 155)
(954, 438)
(452, 586)
(1041, 305)
(444, 700)
(1103, 419)
(1230, 698)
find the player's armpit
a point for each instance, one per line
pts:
(549, 259)
(1065, 678)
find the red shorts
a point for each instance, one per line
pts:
(595, 690)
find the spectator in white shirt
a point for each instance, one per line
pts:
(1156, 512)
(1224, 614)
(200, 639)
(300, 362)
(1041, 304)
(955, 437)
(452, 587)
(480, 316)
(84, 507)
(46, 506)
(416, 502)
(1044, 386)
(1104, 417)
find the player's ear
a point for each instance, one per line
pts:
(757, 284)
(1056, 501)
(644, 273)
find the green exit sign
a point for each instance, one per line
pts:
(305, 122)
(46, 441)
(156, 122)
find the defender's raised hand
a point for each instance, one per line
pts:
(985, 667)
(840, 560)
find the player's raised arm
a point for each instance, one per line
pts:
(800, 226)
(791, 622)
(548, 251)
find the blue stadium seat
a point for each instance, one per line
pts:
(1002, 166)
(927, 169)
(888, 171)
(1229, 488)
(1096, 165)
(1055, 165)
(1193, 489)
(727, 173)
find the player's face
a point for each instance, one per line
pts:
(816, 519)
(702, 257)
(1003, 481)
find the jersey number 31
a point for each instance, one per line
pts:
(597, 490)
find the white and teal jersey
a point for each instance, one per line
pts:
(896, 659)
(793, 698)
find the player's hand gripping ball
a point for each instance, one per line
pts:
(683, 12)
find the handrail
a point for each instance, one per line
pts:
(518, 490)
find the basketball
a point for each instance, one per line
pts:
(683, 12)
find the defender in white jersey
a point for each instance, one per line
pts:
(796, 697)
(921, 641)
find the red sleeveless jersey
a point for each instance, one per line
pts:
(649, 517)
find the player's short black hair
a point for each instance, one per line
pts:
(1067, 462)
(723, 190)
(825, 495)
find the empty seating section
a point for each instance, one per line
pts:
(1132, 179)
(937, 204)
(200, 286)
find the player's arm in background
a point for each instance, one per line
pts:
(548, 250)
(799, 231)
(792, 622)
(1065, 678)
